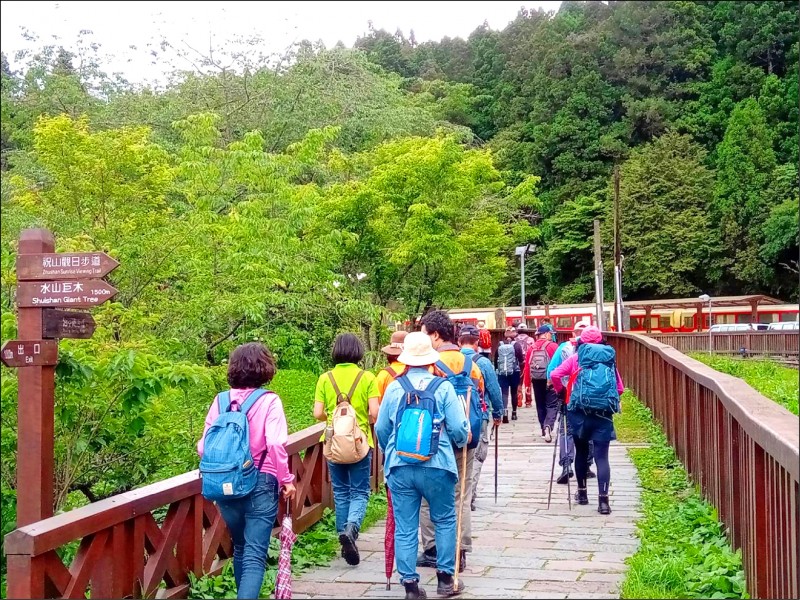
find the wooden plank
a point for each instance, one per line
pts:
(64, 265)
(75, 293)
(67, 324)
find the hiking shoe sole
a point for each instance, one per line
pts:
(349, 550)
(547, 436)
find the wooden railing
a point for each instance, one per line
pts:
(741, 448)
(124, 551)
(759, 343)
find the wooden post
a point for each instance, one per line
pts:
(699, 317)
(754, 311)
(35, 399)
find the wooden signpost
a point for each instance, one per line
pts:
(47, 281)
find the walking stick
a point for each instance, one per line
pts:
(461, 501)
(496, 447)
(553, 466)
(569, 488)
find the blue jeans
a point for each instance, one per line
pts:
(250, 521)
(351, 491)
(409, 484)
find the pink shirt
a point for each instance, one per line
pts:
(268, 431)
(569, 367)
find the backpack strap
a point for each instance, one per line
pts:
(251, 400)
(224, 401)
(445, 369)
(467, 365)
(393, 374)
(338, 392)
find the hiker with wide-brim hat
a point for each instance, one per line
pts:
(432, 479)
(392, 352)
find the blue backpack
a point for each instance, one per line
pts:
(227, 469)
(463, 383)
(418, 422)
(595, 386)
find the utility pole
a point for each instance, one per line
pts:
(598, 279)
(618, 306)
(521, 251)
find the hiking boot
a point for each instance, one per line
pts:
(348, 541)
(590, 474)
(565, 475)
(427, 558)
(505, 418)
(463, 562)
(514, 416)
(602, 506)
(581, 497)
(547, 436)
(446, 587)
(472, 506)
(413, 591)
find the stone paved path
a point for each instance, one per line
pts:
(521, 549)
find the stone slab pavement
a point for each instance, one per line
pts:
(522, 549)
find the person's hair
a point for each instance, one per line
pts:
(250, 366)
(347, 348)
(437, 321)
(468, 340)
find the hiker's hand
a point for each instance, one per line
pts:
(289, 491)
(562, 395)
(497, 423)
(469, 437)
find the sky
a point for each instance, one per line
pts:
(124, 29)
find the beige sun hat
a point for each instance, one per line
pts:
(418, 351)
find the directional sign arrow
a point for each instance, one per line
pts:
(63, 294)
(67, 324)
(29, 353)
(69, 265)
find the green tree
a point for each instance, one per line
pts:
(745, 163)
(667, 239)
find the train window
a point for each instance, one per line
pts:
(654, 322)
(724, 319)
(664, 322)
(767, 317)
(688, 322)
(563, 322)
(787, 316)
(744, 318)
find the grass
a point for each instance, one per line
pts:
(775, 381)
(631, 428)
(315, 547)
(684, 552)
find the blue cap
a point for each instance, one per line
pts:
(544, 329)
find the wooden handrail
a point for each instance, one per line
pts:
(125, 551)
(741, 448)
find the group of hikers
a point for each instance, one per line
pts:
(432, 408)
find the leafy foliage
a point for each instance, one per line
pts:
(775, 381)
(683, 552)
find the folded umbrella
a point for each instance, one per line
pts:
(283, 581)
(388, 540)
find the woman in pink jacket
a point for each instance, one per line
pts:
(250, 519)
(594, 399)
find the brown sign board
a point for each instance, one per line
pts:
(67, 324)
(61, 266)
(77, 293)
(29, 353)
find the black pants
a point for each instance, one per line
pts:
(509, 382)
(546, 403)
(566, 446)
(600, 457)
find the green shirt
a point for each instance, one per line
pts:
(345, 375)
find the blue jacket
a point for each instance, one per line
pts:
(494, 396)
(558, 358)
(456, 428)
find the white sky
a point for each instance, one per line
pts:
(117, 26)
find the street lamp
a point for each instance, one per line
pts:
(707, 298)
(522, 251)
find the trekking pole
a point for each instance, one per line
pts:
(553, 466)
(569, 488)
(461, 501)
(496, 447)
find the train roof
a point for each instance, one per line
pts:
(654, 304)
